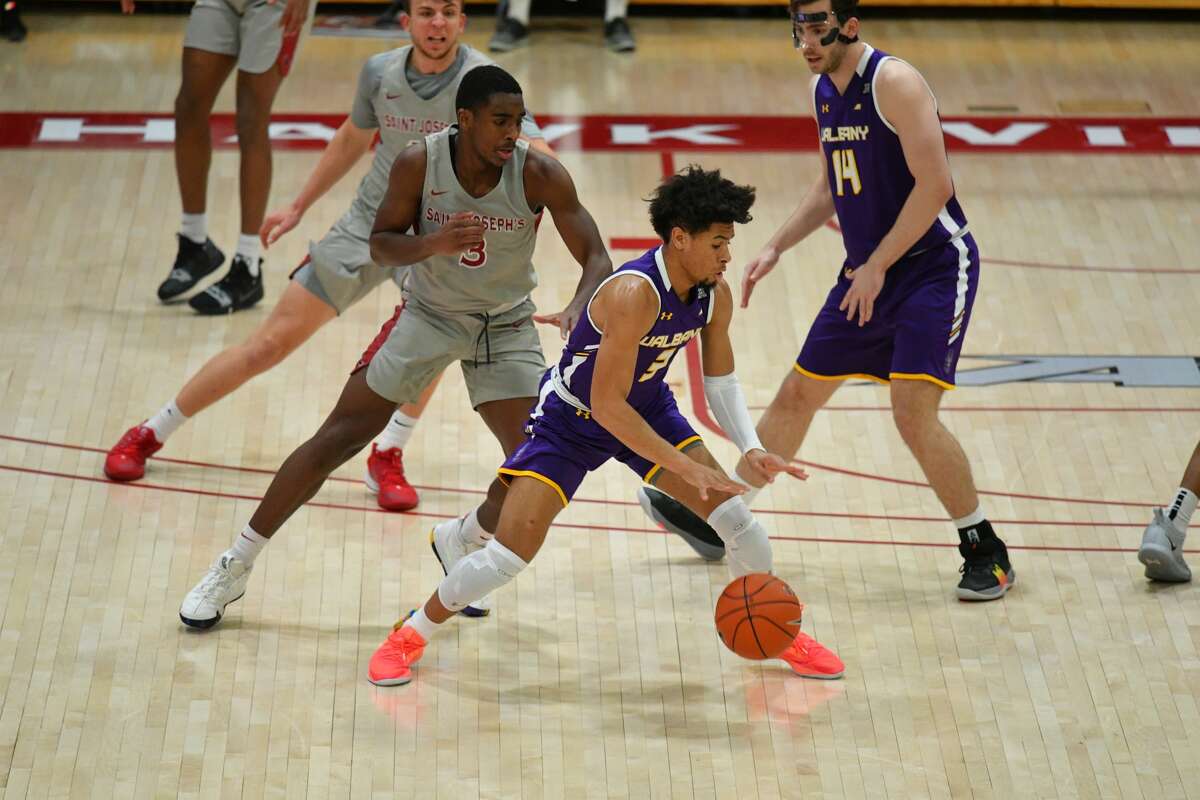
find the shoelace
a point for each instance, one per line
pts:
(215, 582)
(395, 467)
(400, 644)
(977, 566)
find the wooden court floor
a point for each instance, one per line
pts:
(598, 674)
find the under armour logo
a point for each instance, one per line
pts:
(579, 412)
(824, 108)
(665, 315)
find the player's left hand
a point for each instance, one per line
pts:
(865, 284)
(767, 465)
(295, 12)
(565, 319)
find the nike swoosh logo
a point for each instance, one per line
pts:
(391, 96)
(436, 193)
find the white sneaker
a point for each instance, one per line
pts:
(225, 583)
(448, 548)
(1162, 551)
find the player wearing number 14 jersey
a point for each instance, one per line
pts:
(899, 310)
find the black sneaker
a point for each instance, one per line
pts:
(679, 519)
(618, 37)
(985, 575)
(11, 27)
(192, 263)
(510, 34)
(237, 290)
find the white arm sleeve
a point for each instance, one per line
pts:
(725, 398)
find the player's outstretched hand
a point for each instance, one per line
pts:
(460, 233)
(278, 223)
(767, 465)
(566, 320)
(756, 270)
(706, 478)
(865, 284)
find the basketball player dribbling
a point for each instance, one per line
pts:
(899, 310)
(461, 208)
(403, 95)
(607, 398)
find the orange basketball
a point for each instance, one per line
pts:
(758, 616)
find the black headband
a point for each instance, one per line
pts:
(835, 33)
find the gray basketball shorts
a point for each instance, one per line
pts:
(339, 269)
(253, 36)
(500, 360)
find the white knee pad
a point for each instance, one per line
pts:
(479, 574)
(746, 542)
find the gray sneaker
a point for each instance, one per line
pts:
(1162, 551)
(618, 37)
(510, 34)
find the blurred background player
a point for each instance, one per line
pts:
(416, 84)
(1162, 543)
(607, 398)
(259, 37)
(477, 191)
(900, 308)
(512, 26)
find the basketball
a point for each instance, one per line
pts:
(758, 616)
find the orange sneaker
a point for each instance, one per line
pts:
(385, 478)
(392, 663)
(808, 658)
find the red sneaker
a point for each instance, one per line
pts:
(391, 665)
(385, 478)
(808, 658)
(126, 461)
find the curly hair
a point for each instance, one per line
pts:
(696, 199)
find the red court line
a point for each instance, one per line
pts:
(595, 501)
(578, 526)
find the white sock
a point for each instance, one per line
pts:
(746, 541)
(247, 546)
(1181, 509)
(422, 624)
(472, 533)
(248, 247)
(478, 575)
(970, 520)
(614, 9)
(519, 10)
(194, 227)
(398, 431)
(166, 421)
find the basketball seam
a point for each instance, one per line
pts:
(777, 625)
(750, 616)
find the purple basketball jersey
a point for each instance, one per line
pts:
(868, 176)
(678, 323)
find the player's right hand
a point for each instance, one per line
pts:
(460, 233)
(278, 223)
(706, 478)
(756, 270)
(126, 6)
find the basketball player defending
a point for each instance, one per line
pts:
(259, 37)
(476, 192)
(1162, 543)
(607, 398)
(403, 94)
(899, 310)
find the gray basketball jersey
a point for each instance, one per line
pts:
(403, 117)
(500, 273)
